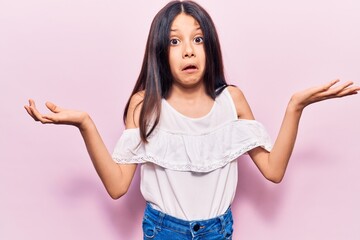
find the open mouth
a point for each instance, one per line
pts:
(189, 68)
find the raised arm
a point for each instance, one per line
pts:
(273, 165)
(115, 177)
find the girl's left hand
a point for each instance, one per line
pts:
(58, 115)
(316, 94)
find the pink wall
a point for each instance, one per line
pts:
(87, 54)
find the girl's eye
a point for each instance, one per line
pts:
(198, 39)
(174, 41)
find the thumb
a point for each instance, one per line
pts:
(52, 107)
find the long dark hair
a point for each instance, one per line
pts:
(155, 78)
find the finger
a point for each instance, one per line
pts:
(336, 91)
(343, 92)
(45, 120)
(351, 93)
(32, 103)
(35, 113)
(29, 112)
(347, 84)
(348, 91)
(322, 88)
(344, 88)
(31, 109)
(330, 84)
(49, 119)
(52, 107)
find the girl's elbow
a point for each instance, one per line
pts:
(118, 193)
(275, 178)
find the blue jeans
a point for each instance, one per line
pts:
(160, 226)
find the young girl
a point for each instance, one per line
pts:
(185, 126)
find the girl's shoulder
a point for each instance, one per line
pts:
(237, 96)
(242, 107)
(235, 93)
(135, 105)
(137, 97)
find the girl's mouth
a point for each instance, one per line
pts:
(189, 68)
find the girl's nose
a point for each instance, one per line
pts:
(188, 51)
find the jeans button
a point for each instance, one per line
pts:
(196, 227)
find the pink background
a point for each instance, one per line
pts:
(87, 55)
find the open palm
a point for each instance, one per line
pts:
(57, 116)
(324, 92)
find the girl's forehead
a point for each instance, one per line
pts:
(183, 21)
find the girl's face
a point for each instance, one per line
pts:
(186, 52)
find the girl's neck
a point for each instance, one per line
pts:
(189, 93)
(192, 102)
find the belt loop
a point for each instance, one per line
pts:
(160, 220)
(222, 221)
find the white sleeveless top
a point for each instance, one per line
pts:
(187, 167)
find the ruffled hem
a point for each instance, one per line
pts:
(203, 152)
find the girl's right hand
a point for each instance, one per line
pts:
(58, 115)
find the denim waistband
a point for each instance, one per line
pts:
(195, 227)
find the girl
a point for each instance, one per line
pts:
(185, 126)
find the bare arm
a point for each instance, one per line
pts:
(273, 165)
(115, 177)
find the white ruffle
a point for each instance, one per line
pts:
(203, 152)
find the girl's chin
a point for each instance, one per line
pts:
(188, 83)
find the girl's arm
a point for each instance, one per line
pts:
(115, 177)
(273, 165)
